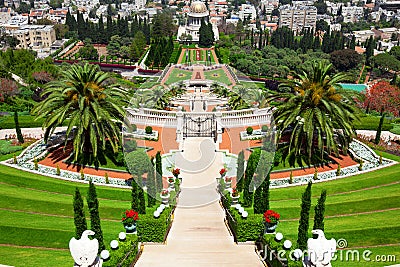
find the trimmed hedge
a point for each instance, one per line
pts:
(118, 256)
(7, 148)
(249, 229)
(153, 230)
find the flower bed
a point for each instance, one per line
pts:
(255, 135)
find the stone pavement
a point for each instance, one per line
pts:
(199, 236)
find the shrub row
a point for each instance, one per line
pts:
(249, 229)
(119, 256)
(151, 229)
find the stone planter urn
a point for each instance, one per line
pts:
(270, 227)
(130, 228)
(235, 200)
(171, 184)
(165, 199)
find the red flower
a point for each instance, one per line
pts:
(129, 217)
(223, 171)
(176, 172)
(271, 216)
(165, 192)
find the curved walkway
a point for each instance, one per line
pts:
(199, 236)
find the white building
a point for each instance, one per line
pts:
(298, 17)
(198, 12)
(247, 11)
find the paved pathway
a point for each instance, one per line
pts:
(199, 236)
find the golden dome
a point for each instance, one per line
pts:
(198, 7)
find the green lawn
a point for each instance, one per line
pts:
(218, 75)
(25, 121)
(37, 211)
(362, 209)
(371, 122)
(177, 75)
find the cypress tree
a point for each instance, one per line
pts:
(258, 205)
(260, 40)
(17, 128)
(159, 184)
(319, 212)
(151, 186)
(240, 172)
(93, 205)
(265, 193)
(135, 195)
(302, 236)
(248, 182)
(79, 214)
(142, 202)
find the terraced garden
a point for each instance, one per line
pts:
(361, 209)
(37, 217)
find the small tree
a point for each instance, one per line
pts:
(315, 174)
(265, 193)
(291, 177)
(151, 185)
(380, 159)
(82, 174)
(148, 130)
(302, 235)
(240, 172)
(258, 205)
(35, 163)
(249, 130)
(135, 195)
(17, 128)
(319, 212)
(360, 166)
(338, 170)
(93, 205)
(58, 171)
(106, 177)
(15, 161)
(159, 183)
(248, 182)
(79, 214)
(142, 201)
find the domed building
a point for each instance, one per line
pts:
(197, 12)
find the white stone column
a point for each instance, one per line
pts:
(218, 115)
(179, 125)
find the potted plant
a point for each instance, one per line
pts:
(176, 172)
(223, 172)
(228, 182)
(235, 196)
(129, 218)
(271, 219)
(165, 196)
(171, 182)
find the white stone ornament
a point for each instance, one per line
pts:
(287, 244)
(84, 251)
(297, 253)
(156, 214)
(278, 236)
(245, 214)
(320, 250)
(105, 254)
(122, 236)
(114, 244)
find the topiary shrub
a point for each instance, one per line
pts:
(264, 128)
(130, 145)
(58, 171)
(315, 174)
(15, 159)
(82, 174)
(35, 163)
(106, 177)
(291, 177)
(148, 130)
(249, 229)
(249, 130)
(338, 170)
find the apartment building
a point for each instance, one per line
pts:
(298, 17)
(35, 36)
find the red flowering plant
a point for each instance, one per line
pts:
(129, 217)
(271, 216)
(165, 192)
(228, 179)
(235, 193)
(170, 180)
(176, 172)
(223, 171)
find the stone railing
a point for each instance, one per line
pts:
(247, 117)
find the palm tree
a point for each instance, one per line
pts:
(317, 113)
(83, 95)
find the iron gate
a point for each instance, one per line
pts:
(204, 125)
